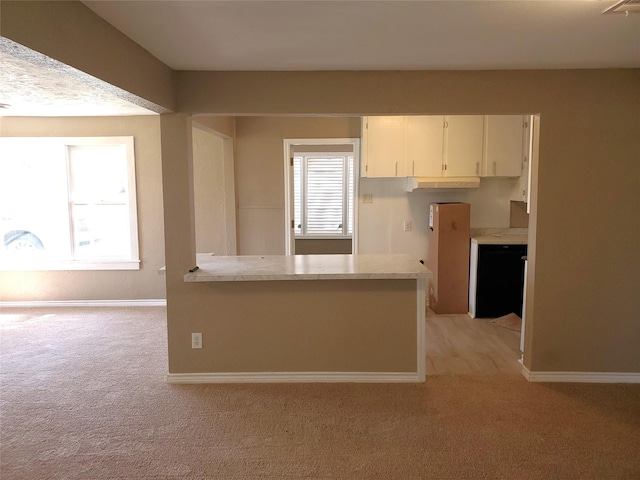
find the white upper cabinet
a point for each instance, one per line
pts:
(383, 147)
(442, 146)
(424, 144)
(504, 143)
(463, 140)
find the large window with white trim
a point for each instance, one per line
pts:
(323, 195)
(68, 203)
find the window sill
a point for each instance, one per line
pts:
(323, 237)
(70, 265)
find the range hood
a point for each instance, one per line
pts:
(442, 182)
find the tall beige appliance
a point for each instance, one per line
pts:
(449, 242)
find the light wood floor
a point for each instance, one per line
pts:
(459, 344)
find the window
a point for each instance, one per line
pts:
(68, 203)
(323, 195)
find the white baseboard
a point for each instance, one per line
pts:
(294, 377)
(581, 377)
(160, 302)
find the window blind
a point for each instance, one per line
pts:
(323, 195)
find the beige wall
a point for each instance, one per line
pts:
(322, 246)
(145, 283)
(224, 125)
(260, 174)
(584, 224)
(224, 169)
(584, 260)
(296, 326)
(209, 190)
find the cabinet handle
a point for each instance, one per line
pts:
(396, 169)
(413, 168)
(477, 168)
(494, 168)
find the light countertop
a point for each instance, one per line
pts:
(308, 267)
(200, 258)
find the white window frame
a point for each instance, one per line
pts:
(345, 196)
(288, 145)
(132, 262)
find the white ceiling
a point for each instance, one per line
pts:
(378, 35)
(330, 35)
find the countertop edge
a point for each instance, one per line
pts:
(202, 277)
(305, 267)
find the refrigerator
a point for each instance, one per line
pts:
(449, 240)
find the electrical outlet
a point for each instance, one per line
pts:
(367, 198)
(407, 225)
(196, 340)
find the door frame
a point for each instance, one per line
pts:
(288, 144)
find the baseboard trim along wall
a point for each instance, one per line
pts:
(160, 302)
(581, 377)
(295, 377)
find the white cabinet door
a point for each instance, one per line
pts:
(503, 145)
(463, 140)
(383, 151)
(424, 143)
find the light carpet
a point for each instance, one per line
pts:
(84, 396)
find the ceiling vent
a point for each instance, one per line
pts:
(624, 6)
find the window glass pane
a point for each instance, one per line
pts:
(34, 216)
(325, 182)
(101, 231)
(98, 173)
(99, 201)
(67, 199)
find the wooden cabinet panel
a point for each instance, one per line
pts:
(463, 142)
(503, 145)
(424, 144)
(383, 150)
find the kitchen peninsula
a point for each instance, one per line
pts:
(308, 318)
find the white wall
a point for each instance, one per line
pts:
(382, 221)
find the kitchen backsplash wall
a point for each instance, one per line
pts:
(382, 222)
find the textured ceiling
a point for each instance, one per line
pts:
(32, 84)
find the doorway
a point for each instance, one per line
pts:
(321, 191)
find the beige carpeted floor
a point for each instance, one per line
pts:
(84, 396)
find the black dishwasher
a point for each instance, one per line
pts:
(500, 280)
